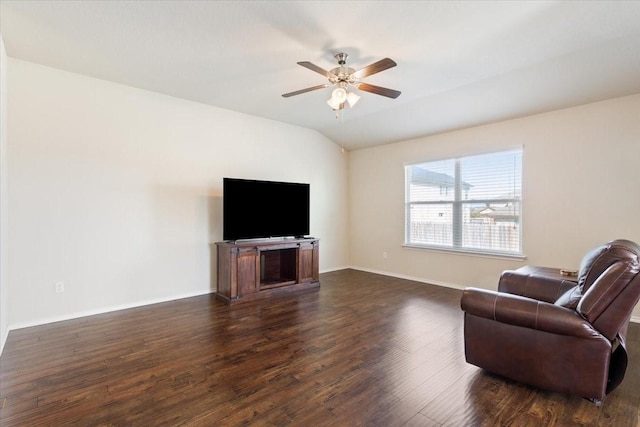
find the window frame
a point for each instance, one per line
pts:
(457, 232)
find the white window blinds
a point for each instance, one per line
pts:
(470, 204)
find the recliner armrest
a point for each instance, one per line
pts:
(540, 283)
(525, 312)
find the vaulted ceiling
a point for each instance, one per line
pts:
(460, 63)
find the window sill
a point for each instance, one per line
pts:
(476, 253)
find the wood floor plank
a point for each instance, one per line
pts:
(362, 350)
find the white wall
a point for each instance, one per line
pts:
(4, 294)
(581, 188)
(117, 191)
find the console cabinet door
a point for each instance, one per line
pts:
(308, 262)
(248, 272)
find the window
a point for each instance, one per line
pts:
(469, 204)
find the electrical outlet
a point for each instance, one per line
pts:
(59, 287)
(384, 255)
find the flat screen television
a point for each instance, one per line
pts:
(253, 209)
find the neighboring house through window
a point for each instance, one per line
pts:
(469, 204)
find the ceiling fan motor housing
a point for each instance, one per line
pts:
(342, 73)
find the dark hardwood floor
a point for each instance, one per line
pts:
(364, 349)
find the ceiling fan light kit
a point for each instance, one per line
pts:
(339, 96)
(345, 77)
(352, 98)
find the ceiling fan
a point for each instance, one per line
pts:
(346, 77)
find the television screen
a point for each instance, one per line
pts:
(255, 209)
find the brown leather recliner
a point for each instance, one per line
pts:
(556, 333)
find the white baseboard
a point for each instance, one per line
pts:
(3, 340)
(329, 270)
(43, 321)
(413, 278)
(103, 310)
(634, 319)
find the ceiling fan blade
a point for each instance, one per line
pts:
(376, 67)
(378, 90)
(309, 89)
(315, 68)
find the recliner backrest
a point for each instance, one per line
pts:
(594, 264)
(596, 261)
(610, 286)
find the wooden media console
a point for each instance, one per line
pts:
(252, 270)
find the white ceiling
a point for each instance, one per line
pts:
(460, 63)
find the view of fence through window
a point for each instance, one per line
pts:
(469, 204)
